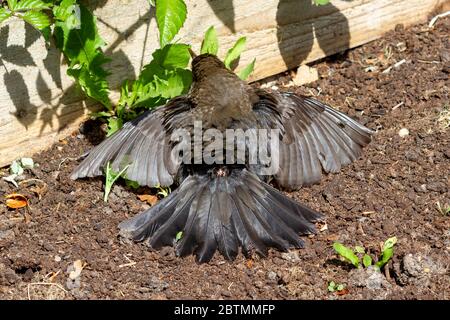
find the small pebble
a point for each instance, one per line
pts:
(403, 132)
(58, 259)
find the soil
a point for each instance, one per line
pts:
(392, 190)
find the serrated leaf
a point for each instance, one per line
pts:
(12, 4)
(76, 34)
(31, 5)
(37, 19)
(114, 124)
(210, 43)
(4, 14)
(65, 9)
(245, 73)
(93, 86)
(172, 56)
(359, 249)
(347, 253)
(170, 17)
(235, 52)
(367, 260)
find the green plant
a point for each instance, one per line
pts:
(443, 209)
(111, 177)
(163, 191)
(165, 77)
(321, 2)
(387, 251)
(332, 286)
(74, 30)
(179, 236)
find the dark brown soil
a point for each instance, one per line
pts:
(392, 190)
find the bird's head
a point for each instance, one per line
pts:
(205, 64)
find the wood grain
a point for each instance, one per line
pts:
(39, 103)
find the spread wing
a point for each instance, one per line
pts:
(315, 136)
(141, 144)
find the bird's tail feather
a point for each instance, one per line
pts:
(224, 213)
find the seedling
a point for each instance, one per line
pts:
(111, 177)
(444, 210)
(17, 168)
(163, 191)
(179, 236)
(346, 253)
(332, 286)
(351, 256)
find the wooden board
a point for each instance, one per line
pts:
(39, 103)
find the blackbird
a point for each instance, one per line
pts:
(227, 206)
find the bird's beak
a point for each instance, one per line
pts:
(193, 55)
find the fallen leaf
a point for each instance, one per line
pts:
(78, 266)
(16, 201)
(342, 292)
(249, 263)
(150, 199)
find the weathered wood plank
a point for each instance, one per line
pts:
(39, 103)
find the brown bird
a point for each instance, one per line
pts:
(227, 206)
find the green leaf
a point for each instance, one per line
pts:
(132, 184)
(4, 14)
(12, 4)
(101, 114)
(321, 2)
(163, 191)
(31, 5)
(244, 73)
(76, 34)
(331, 286)
(170, 17)
(359, 249)
(27, 163)
(389, 243)
(347, 253)
(367, 260)
(340, 287)
(172, 56)
(235, 52)
(16, 168)
(65, 9)
(210, 43)
(385, 257)
(114, 124)
(111, 177)
(37, 19)
(179, 236)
